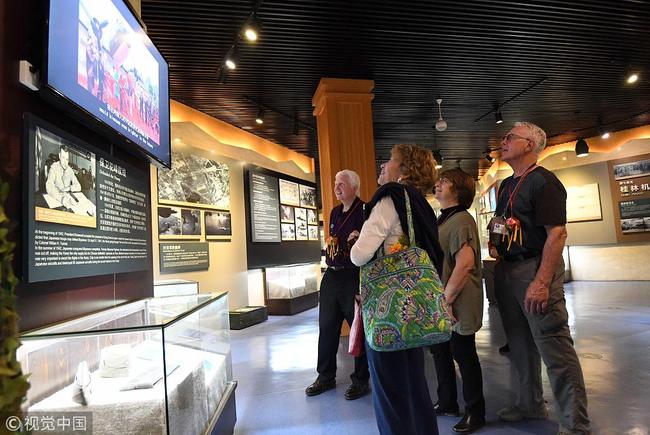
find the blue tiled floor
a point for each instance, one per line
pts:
(275, 361)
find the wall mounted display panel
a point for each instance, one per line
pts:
(87, 211)
(630, 184)
(583, 203)
(195, 181)
(277, 233)
(263, 197)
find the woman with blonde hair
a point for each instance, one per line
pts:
(399, 388)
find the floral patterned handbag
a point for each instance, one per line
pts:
(403, 303)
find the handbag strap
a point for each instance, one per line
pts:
(409, 218)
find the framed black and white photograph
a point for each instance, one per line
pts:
(287, 214)
(288, 232)
(195, 181)
(217, 225)
(65, 181)
(191, 222)
(640, 168)
(289, 193)
(301, 224)
(307, 196)
(312, 217)
(312, 232)
(169, 222)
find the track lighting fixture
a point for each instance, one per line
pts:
(582, 149)
(498, 117)
(605, 135)
(296, 127)
(223, 75)
(441, 124)
(260, 116)
(252, 28)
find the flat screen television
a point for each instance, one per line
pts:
(100, 59)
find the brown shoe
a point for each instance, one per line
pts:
(319, 387)
(356, 390)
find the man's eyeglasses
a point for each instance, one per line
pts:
(511, 137)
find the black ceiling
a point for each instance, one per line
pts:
(474, 54)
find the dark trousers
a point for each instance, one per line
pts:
(336, 304)
(400, 394)
(461, 348)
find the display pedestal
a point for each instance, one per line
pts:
(247, 316)
(287, 307)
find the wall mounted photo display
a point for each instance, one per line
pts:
(195, 181)
(80, 203)
(307, 196)
(218, 225)
(288, 232)
(583, 203)
(636, 169)
(301, 224)
(169, 222)
(289, 192)
(65, 177)
(287, 214)
(635, 215)
(312, 231)
(191, 222)
(312, 217)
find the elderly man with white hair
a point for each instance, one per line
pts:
(527, 235)
(338, 289)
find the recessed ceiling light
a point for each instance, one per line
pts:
(605, 135)
(632, 78)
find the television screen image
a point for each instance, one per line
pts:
(65, 178)
(100, 58)
(217, 224)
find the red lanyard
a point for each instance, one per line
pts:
(336, 227)
(513, 194)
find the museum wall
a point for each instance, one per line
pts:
(228, 269)
(49, 301)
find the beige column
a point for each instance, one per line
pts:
(342, 108)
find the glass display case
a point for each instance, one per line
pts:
(291, 289)
(154, 366)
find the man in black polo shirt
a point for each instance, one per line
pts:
(338, 289)
(529, 280)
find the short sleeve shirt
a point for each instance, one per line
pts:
(540, 201)
(459, 229)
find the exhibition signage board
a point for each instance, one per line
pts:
(265, 219)
(87, 211)
(630, 183)
(184, 257)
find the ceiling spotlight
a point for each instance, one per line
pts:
(632, 77)
(605, 135)
(231, 58)
(260, 116)
(441, 124)
(498, 117)
(438, 158)
(252, 28)
(582, 149)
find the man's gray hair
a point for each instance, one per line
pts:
(353, 179)
(537, 135)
